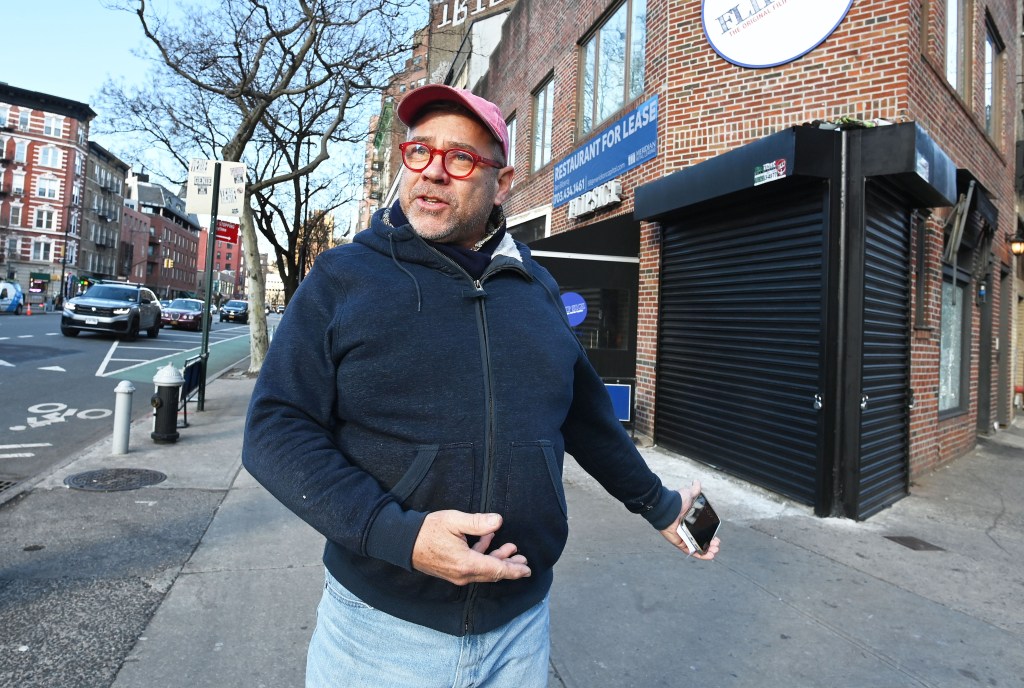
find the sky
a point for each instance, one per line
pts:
(84, 44)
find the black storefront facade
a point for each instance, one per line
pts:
(784, 333)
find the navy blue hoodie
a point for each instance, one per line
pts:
(397, 385)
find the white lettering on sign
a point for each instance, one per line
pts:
(595, 199)
(463, 9)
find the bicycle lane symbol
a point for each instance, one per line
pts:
(55, 412)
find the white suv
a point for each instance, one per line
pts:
(115, 307)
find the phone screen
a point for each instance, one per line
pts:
(702, 522)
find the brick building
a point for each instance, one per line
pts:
(795, 252)
(102, 213)
(172, 247)
(43, 149)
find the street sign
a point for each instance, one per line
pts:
(227, 232)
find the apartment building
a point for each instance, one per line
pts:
(43, 152)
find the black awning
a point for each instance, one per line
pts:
(901, 153)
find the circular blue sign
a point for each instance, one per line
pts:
(575, 307)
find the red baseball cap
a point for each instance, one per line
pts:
(418, 98)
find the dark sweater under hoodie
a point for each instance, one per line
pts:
(397, 385)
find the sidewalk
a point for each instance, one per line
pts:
(208, 581)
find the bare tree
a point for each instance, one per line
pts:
(251, 81)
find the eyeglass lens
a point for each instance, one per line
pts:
(457, 163)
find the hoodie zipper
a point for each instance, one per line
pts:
(481, 316)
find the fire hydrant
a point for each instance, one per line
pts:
(168, 381)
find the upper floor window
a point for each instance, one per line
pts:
(44, 219)
(543, 123)
(5, 112)
(21, 151)
(511, 125)
(23, 118)
(49, 156)
(613, 64)
(993, 79)
(958, 44)
(53, 125)
(41, 249)
(47, 188)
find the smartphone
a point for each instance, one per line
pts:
(699, 525)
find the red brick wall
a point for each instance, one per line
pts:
(885, 60)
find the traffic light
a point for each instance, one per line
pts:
(168, 263)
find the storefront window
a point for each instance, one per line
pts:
(606, 325)
(952, 359)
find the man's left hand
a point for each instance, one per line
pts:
(672, 536)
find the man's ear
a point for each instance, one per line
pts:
(505, 175)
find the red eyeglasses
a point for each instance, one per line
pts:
(457, 162)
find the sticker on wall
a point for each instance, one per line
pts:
(770, 171)
(767, 33)
(575, 307)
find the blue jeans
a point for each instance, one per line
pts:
(355, 645)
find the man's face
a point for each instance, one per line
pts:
(446, 210)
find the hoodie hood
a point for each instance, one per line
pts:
(390, 233)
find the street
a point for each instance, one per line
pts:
(58, 392)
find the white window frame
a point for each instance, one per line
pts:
(45, 218)
(53, 125)
(48, 187)
(958, 43)
(995, 59)
(21, 151)
(42, 249)
(543, 124)
(15, 218)
(49, 156)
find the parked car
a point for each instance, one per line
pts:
(280, 309)
(235, 311)
(186, 314)
(117, 307)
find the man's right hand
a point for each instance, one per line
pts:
(442, 549)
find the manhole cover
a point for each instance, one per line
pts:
(914, 543)
(114, 479)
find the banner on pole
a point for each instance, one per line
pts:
(199, 195)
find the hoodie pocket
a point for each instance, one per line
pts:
(439, 477)
(533, 502)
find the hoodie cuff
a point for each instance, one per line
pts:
(665, 510)
(393, 534)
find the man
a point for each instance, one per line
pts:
(414, 408)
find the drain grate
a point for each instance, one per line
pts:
(114, 479)
(6, 484)
(914, 543)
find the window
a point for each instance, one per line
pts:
(21, 151)
(53, 125)
(5, 113)
(41, 250)
(15, 215)
(49, 156)
(993, 79)
(957, 44)
(511, 124)
(18, 183)
(47, 188)
(613, 64)
(44, 219)
(954, 354)
(23, 117)
(543, 115)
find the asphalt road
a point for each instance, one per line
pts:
(58, 392)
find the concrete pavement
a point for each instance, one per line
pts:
(205, 580)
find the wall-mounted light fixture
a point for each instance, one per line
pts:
(1017, 242)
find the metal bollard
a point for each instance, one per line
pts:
(168, 381)
(122, 416)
